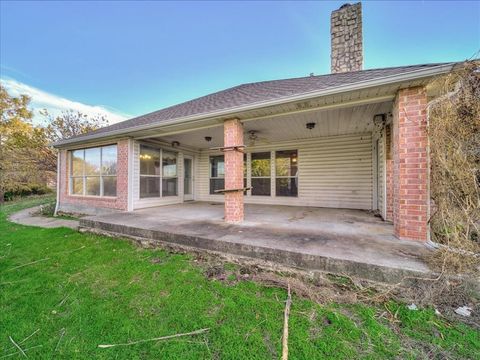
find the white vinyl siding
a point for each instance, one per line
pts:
(333, 171)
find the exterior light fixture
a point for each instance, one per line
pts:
(310, 125)
(379, 119)
(208, 138)
(175, 144)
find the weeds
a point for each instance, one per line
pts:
(454, 132)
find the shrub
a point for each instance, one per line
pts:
(21, 190)
(47, 209)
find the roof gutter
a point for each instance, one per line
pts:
(407, 76)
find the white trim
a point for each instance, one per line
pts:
(57, 203)
(190, 196)
(384, 180)
(130, 175)
(406, 76)
(375, 172)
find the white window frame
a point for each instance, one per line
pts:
(160, 176)
(210, 173)
(273, 173)
(274, 154)
(84, 175)
(261, 177)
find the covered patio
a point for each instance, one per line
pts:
(339, 141)
(353, 242)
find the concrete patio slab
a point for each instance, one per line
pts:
(341, 241)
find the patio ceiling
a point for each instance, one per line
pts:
(330, 122)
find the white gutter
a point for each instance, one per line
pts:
(407, 76)
(57, 203)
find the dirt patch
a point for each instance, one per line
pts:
(444, 294)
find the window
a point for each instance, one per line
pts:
(156, 180)
(217, 174)
(260, 174)
(93, 171)
(286, 168)
(149, 172)
(169, 174)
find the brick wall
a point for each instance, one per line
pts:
(91, 204)
(410, 164)
(233, 136)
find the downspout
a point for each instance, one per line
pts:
(58, 184)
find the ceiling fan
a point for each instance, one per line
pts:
(254, 139)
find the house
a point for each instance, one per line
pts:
(352, 139)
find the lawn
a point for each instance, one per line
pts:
(63, 293)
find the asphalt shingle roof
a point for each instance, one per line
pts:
(248, 94)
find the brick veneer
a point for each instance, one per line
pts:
(233, 136)
(120, 202)
(410, 164)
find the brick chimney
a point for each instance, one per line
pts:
(347, 42)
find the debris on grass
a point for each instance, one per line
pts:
(412, 306)
(443, 293)
(17, 346)
(464, 311)
(288, 303)
(62, 333)
(30, 263)
(196, 332)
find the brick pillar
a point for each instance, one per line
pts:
(233, 136)
(122, 175)
(410, 165)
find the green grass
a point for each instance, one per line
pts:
(85, 290)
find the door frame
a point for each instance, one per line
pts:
(191, 196)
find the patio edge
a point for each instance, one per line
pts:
(153, 238)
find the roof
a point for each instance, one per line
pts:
(253, 93)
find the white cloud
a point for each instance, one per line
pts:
(55, 104)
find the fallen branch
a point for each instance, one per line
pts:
(196, 332)
(70, 251)
(63, 300)
(30, 263)
(28, 337)
(16, 353)
(62, 332)
(285, 325)
(17, 346)
(384, 294)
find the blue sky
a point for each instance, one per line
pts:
(129, 58)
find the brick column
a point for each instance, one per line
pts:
(233, 136)
(410, 165)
